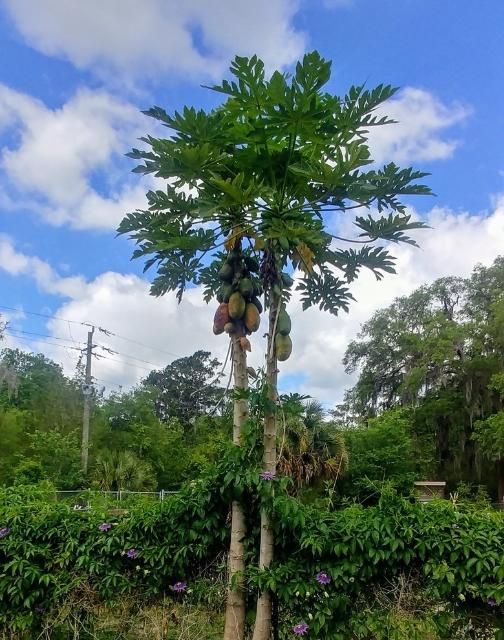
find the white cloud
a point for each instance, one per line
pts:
(121, 303)
(155, 37)
(16, 263)
(56, 155)
(66, 164)
(419, 134)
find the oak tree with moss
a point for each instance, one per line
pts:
(269, 174)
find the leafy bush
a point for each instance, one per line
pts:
(381, 451)
(456, 552)
(330, 568)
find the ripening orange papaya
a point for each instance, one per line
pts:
(221, 317)
(252, 319)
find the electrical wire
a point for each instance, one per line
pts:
(42, 335)
(53, 344)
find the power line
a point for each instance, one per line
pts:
(142, 344)
(90, 324)
(54, 344)
(42, 335)
(44, 315)
(126, 355)
(129, 364)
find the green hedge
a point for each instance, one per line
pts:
(455, 555)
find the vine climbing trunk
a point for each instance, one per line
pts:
(234, 627)
(262, 627)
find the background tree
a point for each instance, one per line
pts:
(187, 387)
(268, 167)
(383, 450)
(439, 352)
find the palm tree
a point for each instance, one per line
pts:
(122, 471)
(310, 448)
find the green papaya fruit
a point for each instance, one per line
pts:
(229, 327)
(236, 305)
(284, 324)
(227, 290)
(226, 272)
(283, 347)
(258, 289)
(246, 288)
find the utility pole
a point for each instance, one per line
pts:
(87, 391)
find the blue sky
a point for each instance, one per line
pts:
(73, 79)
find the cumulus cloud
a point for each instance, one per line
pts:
(66, 164)
(16, 263)
(155, 37)
(56, 155)
(158, 330)
(419, 134)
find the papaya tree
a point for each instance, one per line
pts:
(270, 172)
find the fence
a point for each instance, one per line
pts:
(82, 498)
(118, 495)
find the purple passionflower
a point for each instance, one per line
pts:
(492, 602)
(105, 526)
(180, 587)
(267, 475)
(132, 553)
(300, 629)
(4, 531)
(323, 577)
(39, 609)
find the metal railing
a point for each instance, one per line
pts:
(119, 496)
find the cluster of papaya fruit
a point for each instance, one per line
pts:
(283, 342)
(240, 308)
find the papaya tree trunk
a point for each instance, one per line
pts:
(262, 628)
(234, 627)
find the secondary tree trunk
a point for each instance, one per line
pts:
(262, 628)
(234, 628)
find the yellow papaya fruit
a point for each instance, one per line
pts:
(236, 305)
(221, 317)
(252, 319)
(283, 347)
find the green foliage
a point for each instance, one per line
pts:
(187, 387)
(455, 553)
(270, 165)
(448, 553)
(52, 551)
(154, 436)
(382, 451)
(439, 352)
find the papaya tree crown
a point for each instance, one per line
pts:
(270, 168)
